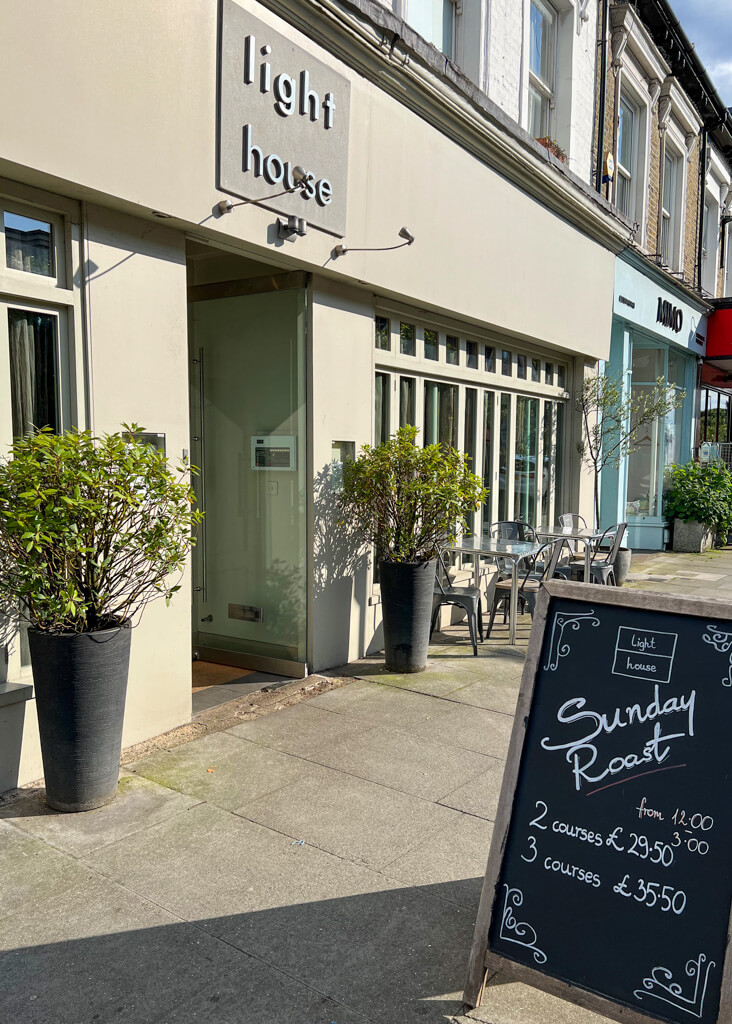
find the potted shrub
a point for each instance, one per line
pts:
(408, 502)
(699, 500)
(91, 529)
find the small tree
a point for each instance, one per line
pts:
(91, 529)
(612, 420)
(408, 501)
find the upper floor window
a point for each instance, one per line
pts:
(669, 207)
(31, 242)
(710, 228)
(627, 156)
(542, 51)
(433, 19)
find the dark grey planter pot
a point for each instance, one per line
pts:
(622, 565)
(407, 591)
(80, 685)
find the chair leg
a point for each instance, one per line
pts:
(494, 609)
(433, 623)
(480, 621)
(473, 638)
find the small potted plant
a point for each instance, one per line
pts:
(409, 503)
(699, 500)
(91, 529)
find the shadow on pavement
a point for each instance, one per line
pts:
(393, 957)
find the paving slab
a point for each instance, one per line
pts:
(208, 863)
(469, 729)
(419, 763)
(478, 797)
(33, 872)
(139, 804)
(259, 994)
(499, 692)
(102, 953)
(304, 730)
(380, 703)
(454, 857)
(509, 1002)
(351, 817)
(221, 769)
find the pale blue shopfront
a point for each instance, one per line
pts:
(658, 331)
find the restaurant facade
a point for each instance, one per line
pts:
(212, 248)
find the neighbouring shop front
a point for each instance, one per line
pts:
(658, 332)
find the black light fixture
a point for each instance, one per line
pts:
(298, 174)
(341, 250)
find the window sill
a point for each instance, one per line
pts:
(15, 693)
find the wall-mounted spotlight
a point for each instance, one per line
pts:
(341, 250)
(292, 227)
(298, 181)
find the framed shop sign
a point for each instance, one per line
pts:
(609, 880)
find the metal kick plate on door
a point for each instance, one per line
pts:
(245, 612)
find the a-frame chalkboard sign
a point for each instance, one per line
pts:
(609, 880)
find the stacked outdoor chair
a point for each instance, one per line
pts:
(602, 564)
(548, 558)
(463, 597)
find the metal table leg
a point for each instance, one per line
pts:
(514, 602)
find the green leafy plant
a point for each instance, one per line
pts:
(612, 418)
(409, 501)
(700, 492)
(91, 529)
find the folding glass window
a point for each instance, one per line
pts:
(381, 410)
(440, 413)
(407, 416)
(34, 371)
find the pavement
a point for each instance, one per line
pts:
(321, 864)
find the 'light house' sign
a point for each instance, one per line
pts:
(280, 108)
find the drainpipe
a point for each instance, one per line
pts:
(602, 99)
(702, 205)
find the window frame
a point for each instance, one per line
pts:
(401, 9)
(58, 246)
(545, 90)
(629, 174)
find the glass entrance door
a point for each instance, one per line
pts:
(248, 440)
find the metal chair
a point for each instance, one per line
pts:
(602, 569)
(464, 597)
(511, 529)
(531, 583)
(572, 521)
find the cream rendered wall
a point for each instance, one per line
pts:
(142, 81)
(137, 341)
(341, 409)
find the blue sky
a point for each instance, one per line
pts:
(708, 24)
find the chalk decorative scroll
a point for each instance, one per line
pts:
(721, 641)
(661, 986)
(520, 932)
(558, 647)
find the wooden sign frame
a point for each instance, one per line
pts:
(484, 963)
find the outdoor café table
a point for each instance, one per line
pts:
(588, 537)
(516, 551)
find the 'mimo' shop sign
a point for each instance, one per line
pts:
(281, 108)
(609, 880)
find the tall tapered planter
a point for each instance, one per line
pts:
(80, 685)
(407, 591)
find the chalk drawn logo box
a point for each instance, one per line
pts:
(644, 654)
